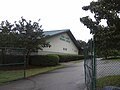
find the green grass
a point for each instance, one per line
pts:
(111, 60)
(35, 71)
(6, 76)
(10, 75)
(76, 61)
(109, 81)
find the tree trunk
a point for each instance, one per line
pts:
(106, 54)
(2, 56)
(27, 58)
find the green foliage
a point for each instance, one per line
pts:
(114, 58)
(44, 60)
(30, 35)
(66, 58)
(10, 75)
(109, 81)
(7, 34)
(22, 34)
(82, 44)
(8, 59)
(106, 37)
(114, 53)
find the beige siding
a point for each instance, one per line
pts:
(60, 44)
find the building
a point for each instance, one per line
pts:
(61, 41)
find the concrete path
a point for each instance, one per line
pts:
(70, 78)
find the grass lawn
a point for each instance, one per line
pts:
(111, 60)
(109, 81)
(75, 61)
(35, 71)
(6, 76)
(10, 75)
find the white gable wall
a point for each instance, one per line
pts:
(60, 44)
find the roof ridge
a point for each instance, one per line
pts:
(57, 30)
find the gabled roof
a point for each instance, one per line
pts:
(57, 32)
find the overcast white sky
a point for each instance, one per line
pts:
(54, 14)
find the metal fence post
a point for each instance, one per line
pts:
(24, 66)
(94, 64)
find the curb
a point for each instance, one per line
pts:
(85, 88)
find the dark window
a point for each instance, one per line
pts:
(65, 49)
(68, 41)
(75, 50)
(62, 39)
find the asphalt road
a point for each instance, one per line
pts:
(107, 68)
(70, 78)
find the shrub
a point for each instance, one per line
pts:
(44, 60)
(109, 81)
(66, 58)
(12, 59)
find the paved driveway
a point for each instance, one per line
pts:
(70, 78)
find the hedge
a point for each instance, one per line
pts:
(66, 58)
(7, 59)
(41, 60)
(44, 60)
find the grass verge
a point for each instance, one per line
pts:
(111, 60)
(73, 61)
(6, 76)
(35, 71)
(109, 81)
(77, 61)
(10, 75)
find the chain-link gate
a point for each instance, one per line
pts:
(12, 64)
(108, 73)
(90, 66)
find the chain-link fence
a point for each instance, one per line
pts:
(90, 66)
(100, 72)
(12, 64)
(108, 73)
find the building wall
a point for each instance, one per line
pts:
(60, 44)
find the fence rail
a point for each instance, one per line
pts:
(12, 65)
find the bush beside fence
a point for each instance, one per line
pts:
(67, 58)
(44, 60)
(41, 60)
(7, 59)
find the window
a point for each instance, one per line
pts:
(64, 38)
(65, 49)
(68, 41)
(67, 38)
(75, 50)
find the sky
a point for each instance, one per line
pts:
(54, 14)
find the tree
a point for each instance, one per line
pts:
(82, 45)
(31, 36)
(107, 38)
(23, 34)
(7, 37)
